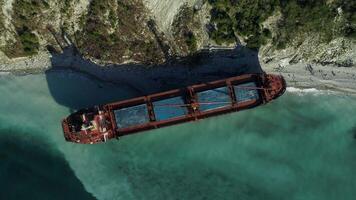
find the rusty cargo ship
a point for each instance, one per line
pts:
(113, 120)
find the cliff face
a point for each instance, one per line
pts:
(152, 31)
(110, 31)
(310, 46)
(105, 31)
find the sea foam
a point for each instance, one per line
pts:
(305, 91)
(300, 90)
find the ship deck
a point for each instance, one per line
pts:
(187, 104)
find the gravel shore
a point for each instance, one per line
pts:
(206, 66)
(324, 77)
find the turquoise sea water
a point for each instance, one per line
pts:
(301, 146)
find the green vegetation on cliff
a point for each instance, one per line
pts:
(318, 16)
(2, 25)
(348, 27)
(116, 31)
(245, 18)
(183, 27)
(26, 19)
(242, 17)
(29, 41)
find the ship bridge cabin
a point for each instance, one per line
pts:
(90, 123)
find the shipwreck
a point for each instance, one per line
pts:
(102, 123)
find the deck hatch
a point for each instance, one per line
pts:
(131, 116)
(169, 108)
(217, 98)
(245, 92)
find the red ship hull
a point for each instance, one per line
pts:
(101, 123)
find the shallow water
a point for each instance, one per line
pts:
(301, 146)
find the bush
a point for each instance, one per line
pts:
(348, 7)
(298, 17)
(29, 41)
(112, 32)
(302, 17)
(26, 20)
(223, 31)
(191, 41)
(243, 17)
(2, 26)
(183, 27)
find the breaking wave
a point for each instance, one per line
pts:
(312, 91)
(300, 90)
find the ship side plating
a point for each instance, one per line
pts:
(101, 123)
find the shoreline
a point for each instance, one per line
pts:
(206, 66)
(321, 77)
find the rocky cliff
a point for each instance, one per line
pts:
(154, 31)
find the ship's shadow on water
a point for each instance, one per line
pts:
(353, 131)
(75, 82)
(29, 169)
